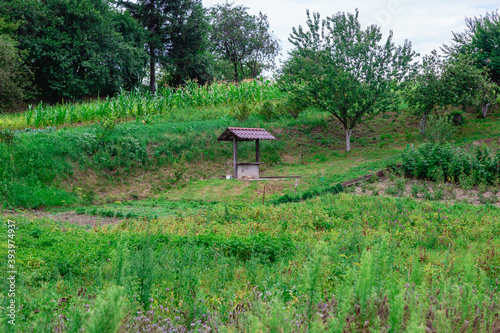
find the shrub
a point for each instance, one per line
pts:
(444, 162)
(243, 111)
(439, 129)
(309, 194)
(7, 136)
(268, 111)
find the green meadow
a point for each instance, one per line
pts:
(176, 247)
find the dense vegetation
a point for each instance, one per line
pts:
(160, 241)
(328, 264)
(71, 50)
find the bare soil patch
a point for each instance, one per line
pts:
(69, 216)
(427, 190)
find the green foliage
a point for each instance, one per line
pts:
(439, 129)
(466, 85)
(292, 105)
(14, 77)
(243, 112)
(268, 111)
(444, 162)
(166, 104)
(343, 74)
(70, 60)
(244, 40)
(480, 38)
(309, 194)
(426, 93)
(453, 81)
(180, 168)
(391, 259)
(7, 136)
(108, 312)
(188, 56)
(176, 38)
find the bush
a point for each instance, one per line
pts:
(291, 107)
(309, 194)
(268, 111)
(444, 162)
(243, 112)
(439, 129)
(7, 136)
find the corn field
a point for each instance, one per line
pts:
(136, 104)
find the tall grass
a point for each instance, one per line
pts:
(372, 264)
(136, 104)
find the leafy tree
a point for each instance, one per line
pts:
(243, 39)
(454, 81)
(338, 67)
(466, 85)
(75, 47)
(152, 16)
(482, 40)
(188, 43)
(176, 37)
(14, 76)
(427, 91)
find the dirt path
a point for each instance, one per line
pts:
(69, 216)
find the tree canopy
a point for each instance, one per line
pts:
(481, 39)
(244, 40)
(176, 38)
(188, 46)
(341, 68)
(77, 47)
(453, 80)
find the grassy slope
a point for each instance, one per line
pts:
(99, 164)
(395, 262)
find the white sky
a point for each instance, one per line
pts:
(426, 23)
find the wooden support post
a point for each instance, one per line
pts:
(235, 158)
(257, 151)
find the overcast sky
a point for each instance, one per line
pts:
(426, 23)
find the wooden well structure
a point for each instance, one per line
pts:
(235, 134)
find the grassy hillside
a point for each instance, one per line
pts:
(175, 248)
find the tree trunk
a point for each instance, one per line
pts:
(348, 133)
(423, 121)
(236, 78)
(152, 73)
(484, 109)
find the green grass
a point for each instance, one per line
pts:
(332, 262)
(164, 155)
(198, 253)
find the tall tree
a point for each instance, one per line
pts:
(345, 70)
(453, 80)
(243, 39)
(74, 47)
(153, 15)
(266, 48)
(481, 39)
(176, 37)
(188, 45)
(467, 85)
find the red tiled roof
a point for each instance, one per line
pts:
(245, 134)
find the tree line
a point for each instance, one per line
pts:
(70, 49)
